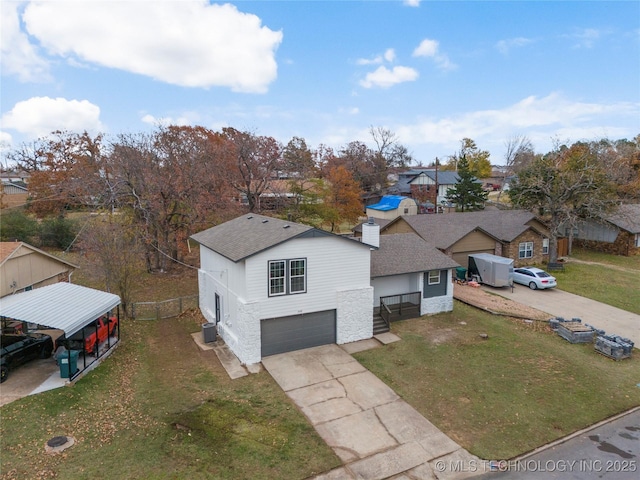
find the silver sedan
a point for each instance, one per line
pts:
(535, 278)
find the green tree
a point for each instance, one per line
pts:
(478, 160)
(564, 186)
(468, 193)
(17, 226)
(58, 232)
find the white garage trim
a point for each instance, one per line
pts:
(63, 306)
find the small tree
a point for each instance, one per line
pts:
(18, 226)
(118, 256)
(340, 198)
(468, 193)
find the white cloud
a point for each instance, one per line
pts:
(189, 43)
(389, 56)
(541, 118)
(181, 121)
(384, 78)
(40, 116)
(429, 48)
(586, 37)
(504, 46)
(18, 56)
(5, 140)
(411, 3)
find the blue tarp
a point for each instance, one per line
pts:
(388, 202)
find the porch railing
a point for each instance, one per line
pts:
(400, 307)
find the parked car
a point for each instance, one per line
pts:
(535, 278)
(94, 333)
(19, 349)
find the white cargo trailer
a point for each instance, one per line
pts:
(491, 269)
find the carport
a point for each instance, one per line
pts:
(67, 307)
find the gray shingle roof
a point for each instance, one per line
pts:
(627, 217)
(380, 221)
(407, 253)
(445, 230)
(249, 234)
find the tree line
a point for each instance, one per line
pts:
(153, 190)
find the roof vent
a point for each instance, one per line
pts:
(371, 221)
(249, 217)
(265, 221)
(286, 226)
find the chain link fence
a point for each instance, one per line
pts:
(164, 309)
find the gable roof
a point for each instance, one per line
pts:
(445, 177)
(9, 249)
(388, 202)
(407, 253)
(626, 217)
(252, 233)
(446, 229)
(403, 185)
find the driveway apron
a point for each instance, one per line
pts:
(375, 433)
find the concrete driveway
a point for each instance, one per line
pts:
(375, 433)
(563, 304)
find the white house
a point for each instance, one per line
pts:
(274, 286)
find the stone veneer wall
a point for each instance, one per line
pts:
(354, 315)
(511, 250)
(623, 245)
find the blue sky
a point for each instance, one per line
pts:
(432, 72)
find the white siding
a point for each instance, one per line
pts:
(337, 278)
(332, 264)
(393, 285)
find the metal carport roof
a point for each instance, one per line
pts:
(62, 306)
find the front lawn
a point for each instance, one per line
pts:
(159, 408)
(522, 387)
(610, 279)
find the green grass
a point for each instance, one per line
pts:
(159, 408)
(611, 279)
(501, 397)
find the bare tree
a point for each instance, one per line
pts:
(519, 154)
(564, 186)
(256, 161)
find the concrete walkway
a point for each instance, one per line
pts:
(375, 433)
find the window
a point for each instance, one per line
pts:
(406, 211)
(297, 276)
(545, 246)
(287, 277)
(525, 250)
(276, 277)
(434, 277)
(638, 240)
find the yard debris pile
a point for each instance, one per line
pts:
(574, 331)
(497, 304)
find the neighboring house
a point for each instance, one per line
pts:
(23, 268)
(13, 194)
(617, 233)
(273, 286)
(405, 269)
(392, 206)
(514, 234)
(426, 185)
